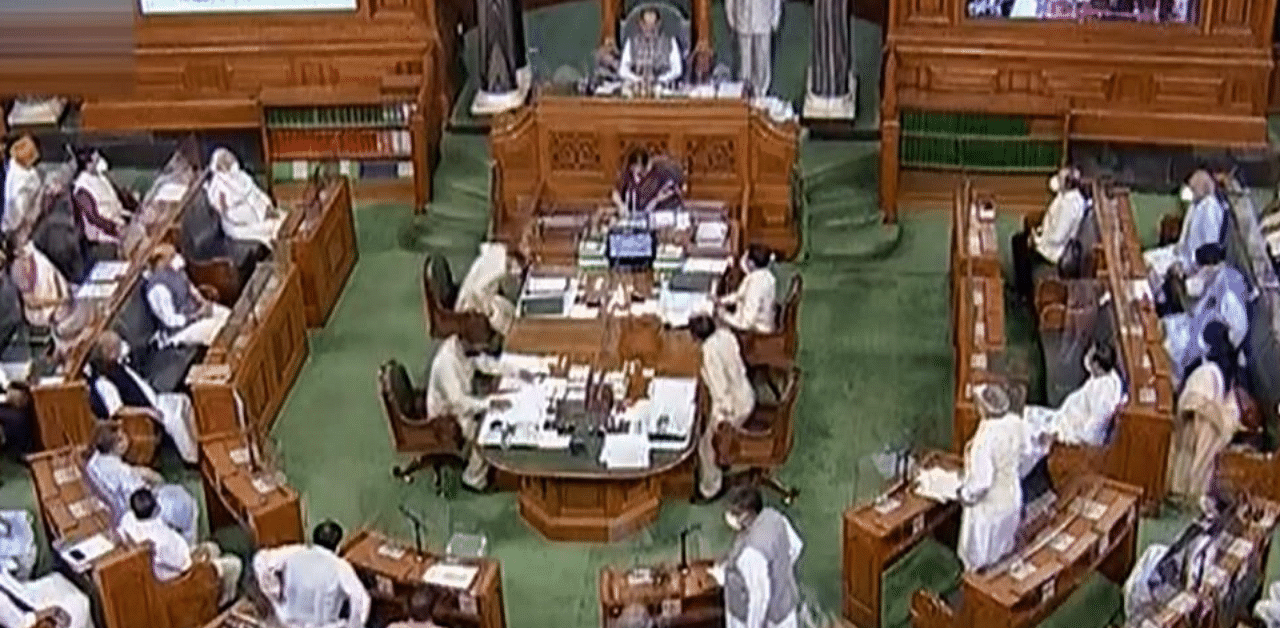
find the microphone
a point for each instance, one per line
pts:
(684, 550)
(418, 525)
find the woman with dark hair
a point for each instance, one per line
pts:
(751, 306)
(1207, 416)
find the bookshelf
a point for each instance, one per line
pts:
(374, 144)
(980, 142)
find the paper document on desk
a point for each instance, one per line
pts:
(671, 406)
(96, 290)
(663, 219)
(543, 285)
(107, 271)
(171, 193)
(516, 362)
(625, 451)
(940, 485)
(711, 233)
(80, 556)
(708, 265)
(451, 576)
(677, 307)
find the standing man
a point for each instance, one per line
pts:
(732, 397)
(21, 185)
(481, 290)
(991, 490)
(759, 574)
(310, 586)
(754, 22)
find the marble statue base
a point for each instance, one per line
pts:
(488, 104)
(833, 107)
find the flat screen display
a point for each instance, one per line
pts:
(629, 246)
(1137, 11)
(160, 7)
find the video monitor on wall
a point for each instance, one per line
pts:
(163, 7)
(1136, 11)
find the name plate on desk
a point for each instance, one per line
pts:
(1090, 509)
(1020, 570)
(65, 475)
(394, 552)
(888, 505)
(1147, 395)
(1062, 542)
(978, 361)
(84, 507)
(239, 455)
(451, 576)
(263, 486)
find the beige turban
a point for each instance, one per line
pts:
(993, 400)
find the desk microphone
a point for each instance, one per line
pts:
(684, 549)
(418, 525)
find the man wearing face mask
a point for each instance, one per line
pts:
(101, 207)
(1083, 417)
(41, 284)
(115, 385)
(21, 185)
(1218, 292)
(1046, 243)
(750, 307)
(1203, 224)
(481, 290)
(991, 489)
(246, 212)
(186, 316)
(724, 374)
(759, 574)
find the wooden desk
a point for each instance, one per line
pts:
(60, 395)
(978, 334)
(876, 536)
(243, 614)
(234, 492)
(257, 355)
(1093, 527)
(322, 241)
(975, 246)
(566, 147)
(392, 570)
(691, 599)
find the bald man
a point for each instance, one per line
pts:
(21, 185)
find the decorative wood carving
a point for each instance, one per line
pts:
(574, 151)
(653, 144)
(712, 154)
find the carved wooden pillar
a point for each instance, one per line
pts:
(504, 66)
(832, 85)
(890, 136)
(703, 53)
(609, 10)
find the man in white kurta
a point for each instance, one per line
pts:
(1137, 589)
(991, 489)
(98, 204)
(246, 212)
(21, 185)
(1268, 608)
(186, 316)
(758, 575)
(481, 290)
(1047, 242)
(1084, 416)
(732, 397)
(18, 549)
(650, 55)
(1220, 293)
(47, 602)
(171, 554)
(754, 22)
(115, 480)
(1202, 225)
(115, 386)
(751, 306)
(308, 585)
(41, 284)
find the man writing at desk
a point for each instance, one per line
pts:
(650, 55)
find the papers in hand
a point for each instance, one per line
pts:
(451, 576)
(940, 485)
(625, 451)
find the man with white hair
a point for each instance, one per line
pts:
(481, 290)
(1046, 243)
(247, 213)
(186, 316)
(991, 490)
(1203, 224)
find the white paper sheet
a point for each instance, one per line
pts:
(516, 362)
(673, 398)
(107, 271)
(170, 193)
(451, 576)
(940, 485)
(80, 555)
(677, 307)
(542, 285)
(711, 265)
(711, 233)
(625, 451)
(96, 290)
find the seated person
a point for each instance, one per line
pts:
(101, 206)
(420, 606)
(751, 306)
(641, 188)
(1163, 570)
(21, 185)
(47, 602)
(449, 392)
(18, 549)
(1219, 293)
(1084, 415)
(1203, 224)
(246, 212)
(732, 397)
(72, 324)
(17, 416)
(650, 56)
(115, 385)
(309, 586)
(41, 284)
(991, 486)
(171, 554)
(186, 316)
(1047, 243)
(480, 290)
(1207, 417)
(116, 480)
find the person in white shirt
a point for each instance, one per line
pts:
(449, 392)
(1047, 243)
(41, 284)
(18, 550)
(172, 555)
(115, 481)
(1202, 224)
(47, 602)
(650, 56)
(21, 185)
(246, 212)
(1220, 293)
(481, 290)
(732, 397)
(759, 574)
(308, 585)
(751, 307)
(186, 316)
(100, 206)
(991, 487)
(1084, 416)
(114, 385)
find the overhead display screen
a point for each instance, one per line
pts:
(157, 7)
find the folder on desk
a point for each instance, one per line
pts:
(80, 556)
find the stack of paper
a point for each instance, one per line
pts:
(545, 285)
(451, 576)
(671, 408)
(90, 291)
(940, 485)
(677, 307)
(711, 233)
(625, 451)
(106, 271)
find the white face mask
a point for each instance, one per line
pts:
(100, 166)
(1186, 195)
(177, 263)
(1196, 284)
(732, 521)
(744, 263)
(1088, 361)
(1054, 184)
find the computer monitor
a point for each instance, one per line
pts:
(631, 248)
